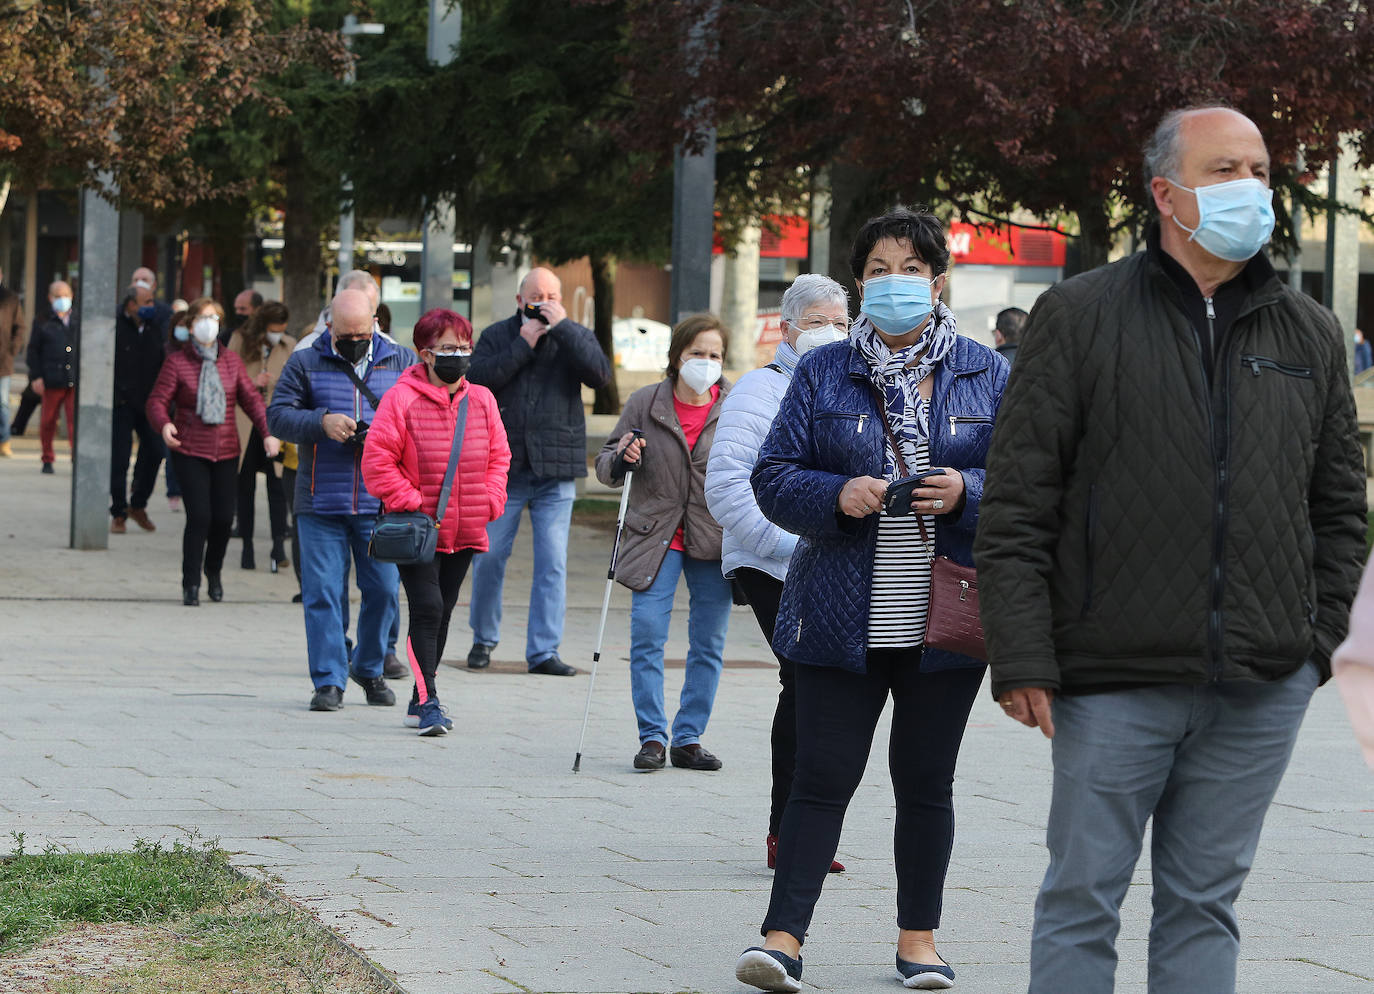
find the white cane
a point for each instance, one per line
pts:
(605, 606)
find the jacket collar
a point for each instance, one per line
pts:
(1261, 282)
(786, 357)
(417, 379)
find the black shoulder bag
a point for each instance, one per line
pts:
(410, 537)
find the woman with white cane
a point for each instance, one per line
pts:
(668, 532)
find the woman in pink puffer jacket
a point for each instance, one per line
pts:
(404, 462)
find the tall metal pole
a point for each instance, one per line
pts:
(436, 254)
(351, 27)
(96, 302)
(694, 204)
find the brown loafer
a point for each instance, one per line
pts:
(650, 756)
(141, 519)
(117, 526)
(693, 757)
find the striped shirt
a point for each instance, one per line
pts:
(900, 595)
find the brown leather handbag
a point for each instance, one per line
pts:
(952, 620)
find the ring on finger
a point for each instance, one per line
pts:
(937, 503)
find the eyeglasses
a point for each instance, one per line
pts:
(813, 321)
(448, 351)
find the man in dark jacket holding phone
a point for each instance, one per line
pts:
(536, 362)
(1171, 537)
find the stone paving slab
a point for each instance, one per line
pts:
(479, 863)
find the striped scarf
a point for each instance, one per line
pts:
(898, 375)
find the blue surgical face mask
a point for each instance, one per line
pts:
(61, 305)
(147, 312)
(1235, 219)
(181, 333)
(898, 303)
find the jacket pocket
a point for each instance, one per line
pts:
(955, 420)
(639, 522)
(1258, 364)
(845, 422)
(1089, 550)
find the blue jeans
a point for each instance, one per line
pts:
(1204, 761)
(327, 540)
(550, 502)
(4, 408)
(707, 619)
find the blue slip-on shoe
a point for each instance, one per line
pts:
(412, 718)
(769, 970)
(432, 720)
(925, 976)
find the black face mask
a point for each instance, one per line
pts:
(451, 368)
(352, 349)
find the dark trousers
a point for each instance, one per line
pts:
(431, 592)
(29, 401)
(55, 401)
(837, 713)
(255, 461)
(764, 592)
(126, 421)
(207, 491)
(288, 493)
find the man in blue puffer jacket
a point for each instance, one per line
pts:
(319, 405)
(755, 552)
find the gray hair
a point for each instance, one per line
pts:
(355, 279)
(1164, 150)
(808, 289)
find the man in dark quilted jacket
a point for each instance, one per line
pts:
(536, 367)
(1171, 537)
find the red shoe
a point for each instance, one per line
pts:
(835, 865)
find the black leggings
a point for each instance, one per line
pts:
(255, 461)
(431, 592)
(764, 593)
(207, 491)
(837, 713)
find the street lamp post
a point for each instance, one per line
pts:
(352, 26)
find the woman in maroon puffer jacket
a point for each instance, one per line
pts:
(206, 382)
(404, 463)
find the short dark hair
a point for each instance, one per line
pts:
(917, 225)
(1010, 322)
(435, 322)
(686, 332)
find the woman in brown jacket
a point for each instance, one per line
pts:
(264, 347)
(669, 532)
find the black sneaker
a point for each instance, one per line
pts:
(378, 693)
(479, 656)
(553, 666)
(47, 468)
(327, 699)
(769, 970)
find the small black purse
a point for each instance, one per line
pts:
(407, 538)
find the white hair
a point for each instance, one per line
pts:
(355, 279)
(809, 289)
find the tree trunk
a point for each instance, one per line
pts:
(301, 257)
(603, 306)
(1093, 244)
(852, 202)
(227, 237)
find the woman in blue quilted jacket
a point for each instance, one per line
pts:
(904, 394)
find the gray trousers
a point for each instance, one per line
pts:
(1205, 762)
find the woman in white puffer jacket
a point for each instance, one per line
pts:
(754, 551)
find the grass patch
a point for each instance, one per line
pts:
(156, 920)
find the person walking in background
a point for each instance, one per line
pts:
(1170, 541)
(139, 354)
(12, 339)
(668, 533)
(405, 463)
(52, 370)
(264, 347)
(755, 552)
(325, 401)
(535, 362)
(1006, 334)
(178, 334)
(905, 394)
(1364, 354)
(246, 304)
(206, 381)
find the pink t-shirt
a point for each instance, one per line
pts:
(693, 419)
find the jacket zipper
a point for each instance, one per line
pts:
(799, 624)
(1259, 362)
(1219, 510)
(862, 419)
(956, 419)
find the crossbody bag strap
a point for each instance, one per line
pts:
(458, 430)
(361, 384)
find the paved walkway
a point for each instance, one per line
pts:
(478, 863)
